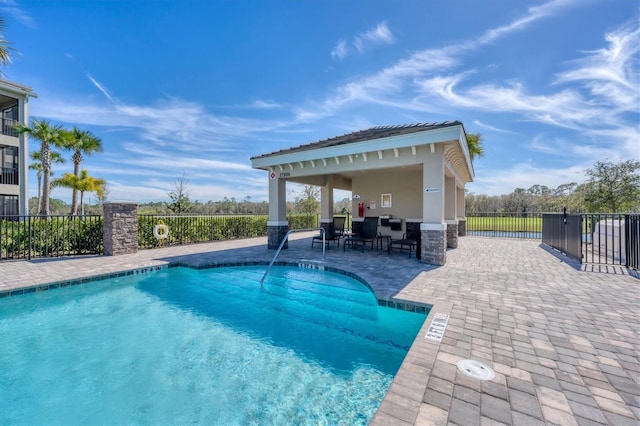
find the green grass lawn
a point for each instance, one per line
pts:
(507, 224)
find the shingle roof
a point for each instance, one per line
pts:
(365, 135)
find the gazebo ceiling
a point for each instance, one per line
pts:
(373, 149)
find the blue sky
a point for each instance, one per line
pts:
(196, 88)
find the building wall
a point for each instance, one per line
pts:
(405, 188)
(15, 97)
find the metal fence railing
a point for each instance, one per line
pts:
(601, 238)
(632, 240)
(27, 237)
(505, 225)
(168, 230)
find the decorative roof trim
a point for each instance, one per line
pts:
(373, 133)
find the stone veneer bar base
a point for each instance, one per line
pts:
(120, 228)
(452, 235)
(434, 247)
(275, 234)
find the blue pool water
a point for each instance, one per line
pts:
(182, 346)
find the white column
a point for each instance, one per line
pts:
(433, 188)
(460, 204)
(450, 198)
(277, 202)
(433, 230)
(23, 159)
(326, 201)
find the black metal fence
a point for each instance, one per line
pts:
(170, 230)
(632, 240)
(27, 237)
(563, 232)
(505, 225)
(609, 239)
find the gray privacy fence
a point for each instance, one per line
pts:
(610, 239)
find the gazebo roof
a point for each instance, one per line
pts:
(377, 148)
(377, 132)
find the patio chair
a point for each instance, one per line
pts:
(334, 233)
(367, 235)
(409, 241)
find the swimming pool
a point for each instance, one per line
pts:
(201, 346)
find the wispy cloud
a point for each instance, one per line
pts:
(362, 42)
(379, 35)
(101, 89)
(167, 121)
(604, 99)
(399, 80)
(599, 93)
(262, 104)
(613, 72)
(491, 128)
(340, 51)
(11, 8)
(534, 13)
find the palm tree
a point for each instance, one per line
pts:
(5, 48)
(474, 143)
(82, 183)
(48, 135)
(81, 142)
(37, 166)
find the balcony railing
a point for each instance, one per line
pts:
(9, 176)
(8, 128)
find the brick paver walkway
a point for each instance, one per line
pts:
(564, 341)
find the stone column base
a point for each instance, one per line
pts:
(434, 247)
(275, 234)
(452, 235)
(120, 228)
(462, 227)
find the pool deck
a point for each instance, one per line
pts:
(563, 339)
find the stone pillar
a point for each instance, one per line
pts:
(462, 227)
(460, 212)
(120, 228)
(452, 234)
(434, 243)
(275, 234)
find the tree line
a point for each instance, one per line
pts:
(609, 188)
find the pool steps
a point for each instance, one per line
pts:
(303, 263)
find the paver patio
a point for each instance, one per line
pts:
(563, 340)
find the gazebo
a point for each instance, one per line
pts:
(414, 174)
